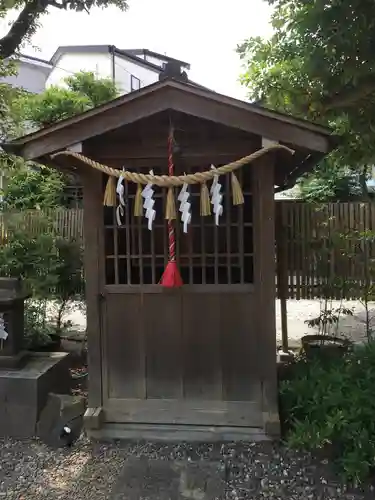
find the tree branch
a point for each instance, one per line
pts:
(23, 25)
(62, 5)
(349, 96)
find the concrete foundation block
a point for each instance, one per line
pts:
(24, 392)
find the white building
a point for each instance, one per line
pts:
(32, 74)
(131, 69)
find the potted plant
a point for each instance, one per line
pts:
(323, 342)
(325, 345)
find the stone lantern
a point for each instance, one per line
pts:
(29, 383)
(12, 299)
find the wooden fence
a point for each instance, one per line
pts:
(310, 263)
(327, 251)
(67, 222)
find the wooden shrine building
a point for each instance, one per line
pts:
(199, 361)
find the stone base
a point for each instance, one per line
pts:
(24, 392)
(285, 356)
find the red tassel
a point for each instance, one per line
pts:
(171, 277)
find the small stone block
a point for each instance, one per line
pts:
(60, 411)
(285, 357)
(272, 425)
(71, 406)
(93, 418)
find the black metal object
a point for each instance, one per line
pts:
(61, 420)
(66, 433)
(12, 300)
(172, 70)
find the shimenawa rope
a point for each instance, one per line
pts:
(168, 181)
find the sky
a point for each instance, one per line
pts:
(200, 32)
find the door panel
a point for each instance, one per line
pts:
(163, 345)
(202, 350)
(123, 359)
(180, 357)
(239, 344)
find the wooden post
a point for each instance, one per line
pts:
(264, 281)
(282, 271)
(93, 261)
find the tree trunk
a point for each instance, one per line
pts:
(22, 27)
(363, 183)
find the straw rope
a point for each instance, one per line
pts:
(169, 181)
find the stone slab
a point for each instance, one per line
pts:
(144, 479)
(24, 392)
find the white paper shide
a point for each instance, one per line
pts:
(3, 332)
(149, 202)
(185, 207)
(121, 207)
(216, 197)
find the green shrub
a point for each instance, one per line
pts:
(51, 269)
(331, 407)
(38, 329)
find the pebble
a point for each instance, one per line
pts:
(88, 470)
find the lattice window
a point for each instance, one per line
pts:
(72, 196)
(207, 254)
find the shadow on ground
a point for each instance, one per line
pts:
(128, 471)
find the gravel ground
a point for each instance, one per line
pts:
(29, 470)
(91, 471)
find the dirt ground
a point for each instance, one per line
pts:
(352, 327)
(299, 311)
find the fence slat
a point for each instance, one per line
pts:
(68, 223)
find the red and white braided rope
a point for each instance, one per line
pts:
(171, 232)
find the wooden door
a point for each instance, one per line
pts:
(185, 356)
